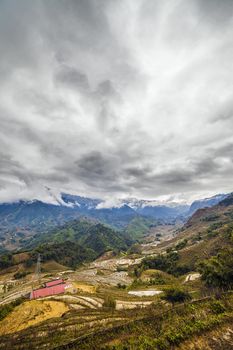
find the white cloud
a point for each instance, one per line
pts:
(116, 98)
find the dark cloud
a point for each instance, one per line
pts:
(216, 11)
(71, 77)
(93, 164)
(105, 89)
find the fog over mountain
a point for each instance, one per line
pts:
(115, 99)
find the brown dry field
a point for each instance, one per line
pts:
(31, 313)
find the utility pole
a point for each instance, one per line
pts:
(37, 274)
(38, 268)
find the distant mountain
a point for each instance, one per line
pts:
(25, 219)
(206, 203)
(33, 214)
(83, 203)
(163, 212)
(228, 200)
(126, 209)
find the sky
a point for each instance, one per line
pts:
(116, 98)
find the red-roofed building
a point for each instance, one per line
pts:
(54, 283)
(45, 292)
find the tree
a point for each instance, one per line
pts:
(218, 270)
(174, 295)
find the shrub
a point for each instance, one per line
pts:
(6, 309)
(19, 275)
(157, 279)
(6, 260)
(197, 238)
(109, 302)
(217, 307)
(218, 270)
(181, 244)
(122, 268)
(165, 262)
(138, 271)
(121, 286)
(135, 249)
(210, 217)
(174, 295)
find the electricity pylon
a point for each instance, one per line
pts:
(37, 275)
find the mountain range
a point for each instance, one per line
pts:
(21, 220)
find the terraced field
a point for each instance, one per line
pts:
(31, 313)
(73, 324)
(106, 329)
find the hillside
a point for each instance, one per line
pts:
(88, 233)
(75, 242)
(140, 226)
(208, 233)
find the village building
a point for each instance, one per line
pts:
(51, 288)
(54, 283)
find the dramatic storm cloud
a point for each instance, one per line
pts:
(114, 98)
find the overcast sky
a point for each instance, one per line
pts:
(116, 98)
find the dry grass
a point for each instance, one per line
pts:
(31, 313)
(153, 273)
(86, 288)
(20, 257)
(52, 266)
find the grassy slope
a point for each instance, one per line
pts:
(205, 233)
(159, 327)
(139, 226)
(31, 313)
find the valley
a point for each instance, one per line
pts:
(23, 221)
(161, 287)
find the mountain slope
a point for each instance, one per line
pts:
(73, 243)
(87, 233)
(206, 234)
(139, 226)
(207, 202)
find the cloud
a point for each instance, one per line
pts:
(116, 98)
(72, 78)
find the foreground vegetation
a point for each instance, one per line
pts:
(158, 327)
(165, 330)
